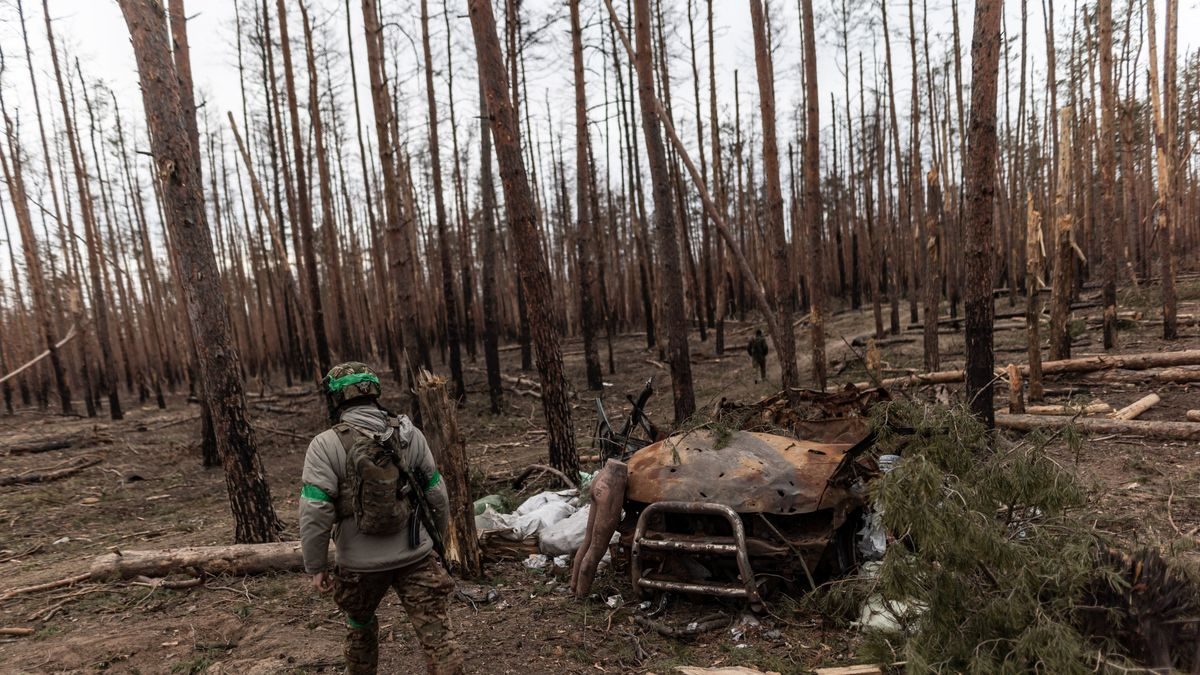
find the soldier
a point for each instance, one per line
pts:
(370, 480)
(757, 349)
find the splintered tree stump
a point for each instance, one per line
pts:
(1016, 394)
(440, 420)
(235, 559)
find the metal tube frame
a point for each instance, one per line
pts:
(745, 571)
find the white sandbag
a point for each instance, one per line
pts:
(536, 522)
(491, 520)
(542, 498)
(565, 536)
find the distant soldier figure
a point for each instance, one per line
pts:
(370, 480)
(757, 349)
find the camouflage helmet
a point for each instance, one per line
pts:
(348, 381)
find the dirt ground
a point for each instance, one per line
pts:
(149, 491)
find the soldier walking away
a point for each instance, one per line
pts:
(757, 349)
(371, 482)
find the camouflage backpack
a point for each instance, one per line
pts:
(377, 490)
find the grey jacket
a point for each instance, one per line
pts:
(325, 473)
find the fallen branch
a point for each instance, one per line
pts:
(519, 480)
(34, 361)
(1136, 408)
(48, 586)
(690, 629)
(18, 632)
(1178, 431)
(49, 474)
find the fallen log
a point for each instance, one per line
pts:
(1177, 431)
(1136, 408)
(48, 474)
(1098, 408)
(1193, 415)
(1165, 376)
(235, 559)
(1086, 364)
(41, 446)
(16, 632)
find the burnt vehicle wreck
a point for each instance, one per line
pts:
(769, 497)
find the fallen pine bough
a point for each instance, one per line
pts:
(1177, 431)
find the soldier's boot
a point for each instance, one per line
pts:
(362, 646)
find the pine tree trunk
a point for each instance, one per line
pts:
(91, 236)
(812, 196)
(14, 177)
(399, 224)
(303, 203)
(325, 184)
(589, 320)
(785, 298)
(671, 287)
(449, 295)
(980, 181)
(249, 495)
(522, 219)
(491, 300)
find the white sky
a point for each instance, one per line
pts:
(94, 31)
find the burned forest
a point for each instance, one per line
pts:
(630, 336)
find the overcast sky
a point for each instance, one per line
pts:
(95, 33)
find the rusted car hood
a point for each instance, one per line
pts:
(748, 471)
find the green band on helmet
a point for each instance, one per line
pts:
(339, 383)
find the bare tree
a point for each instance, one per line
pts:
(980, 192)
(249, 495)
(522, 220)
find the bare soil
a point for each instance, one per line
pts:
(150, 492)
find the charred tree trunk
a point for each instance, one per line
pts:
(980, 179)
(812, 196)
(589, 319)
(522, 218)
(303, 202)
(785, 293)
(491, 300)
(671, 277)
(249, 495)
(1108, 172)
(91, 236)
(449, 296)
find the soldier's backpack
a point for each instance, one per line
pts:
(377, 491)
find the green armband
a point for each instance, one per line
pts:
(314, 493)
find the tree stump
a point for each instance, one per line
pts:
(440, 421)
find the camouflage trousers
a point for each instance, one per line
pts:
(424, 589)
